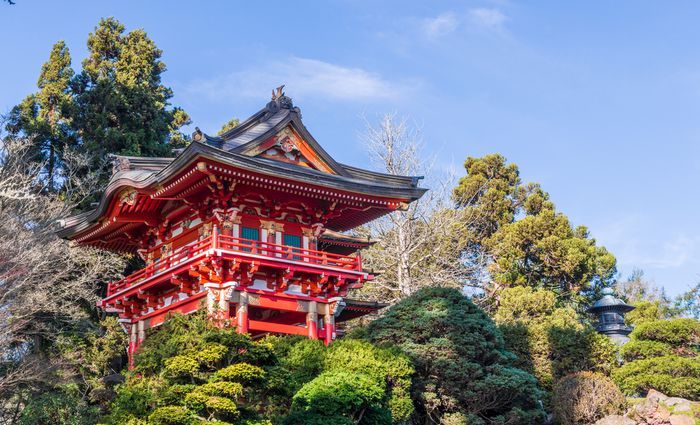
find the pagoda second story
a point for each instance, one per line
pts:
(247, 225)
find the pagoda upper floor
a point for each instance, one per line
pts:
(267, 169)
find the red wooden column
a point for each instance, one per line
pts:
(133, 344)
(242, 313)
(312, 320)
(329, 326)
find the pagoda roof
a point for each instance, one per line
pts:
(243, 148)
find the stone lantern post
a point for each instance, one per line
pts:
(610, 312)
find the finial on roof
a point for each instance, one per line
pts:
(277, 93)
(279, 101)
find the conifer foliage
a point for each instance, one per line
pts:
(116, 105)
(463, 371)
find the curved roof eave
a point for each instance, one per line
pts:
(197, 149)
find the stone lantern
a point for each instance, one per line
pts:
(611, 316)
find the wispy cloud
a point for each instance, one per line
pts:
(440, 25)
(490, 19)
(304, 77)
(478, 19)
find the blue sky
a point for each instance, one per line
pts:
(597, 101)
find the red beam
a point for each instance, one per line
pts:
(256, 325)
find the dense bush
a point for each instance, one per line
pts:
(191, 372)
(584, 397)
(673, 375)
(663, 355)
(549, 341)
(463, 372)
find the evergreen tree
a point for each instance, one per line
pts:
(463, 372)
(528, 242)
(44, 117)
(230, 125)
(122, 105)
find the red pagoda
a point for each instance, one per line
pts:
(247, 224)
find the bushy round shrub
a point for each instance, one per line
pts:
(460, 360)
(582, 398)
(677, 332)
(672, 375)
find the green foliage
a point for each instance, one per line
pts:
(45, 117)
(677, 332)
(61, 407)
(585, 397)
(663, 355)
(386, 367)
(241, 372)
(230, 125)
(189, 368)
(673, 375)
(116, 105)
(636, 350)
(339, 393)
(181, 366)
(530, 244)
(549, 341)
(460, 359)
(121, 102)
(171, 415)
(646, 311)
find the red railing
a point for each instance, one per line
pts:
(239, 245)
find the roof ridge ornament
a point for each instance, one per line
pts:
(279, 101)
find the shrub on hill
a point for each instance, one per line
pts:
(549, 341)
(663, 355)
(463, 372)
(189, 371)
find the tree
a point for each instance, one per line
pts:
(44, 117)
(423, 245)
(527, 242)
(230, 125)
(550, 341)
(663, 355)
(462, 367)
(121, 103)
(49, 288)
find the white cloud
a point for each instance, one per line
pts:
(440, 25)
(303, 77)
(490, 19)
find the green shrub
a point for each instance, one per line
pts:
(383, 365)
(672, 375)
(585, 397)
(171, 415)
(636, 350)
(241, 372)
(459, 357)
(64, 406)
(677, 332)
(550, 342)
(181, 366)
(340, 393)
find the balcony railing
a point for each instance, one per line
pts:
(244, 247)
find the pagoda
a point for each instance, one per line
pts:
(248, 225)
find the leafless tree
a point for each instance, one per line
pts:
(426, 244)
(47, 286)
